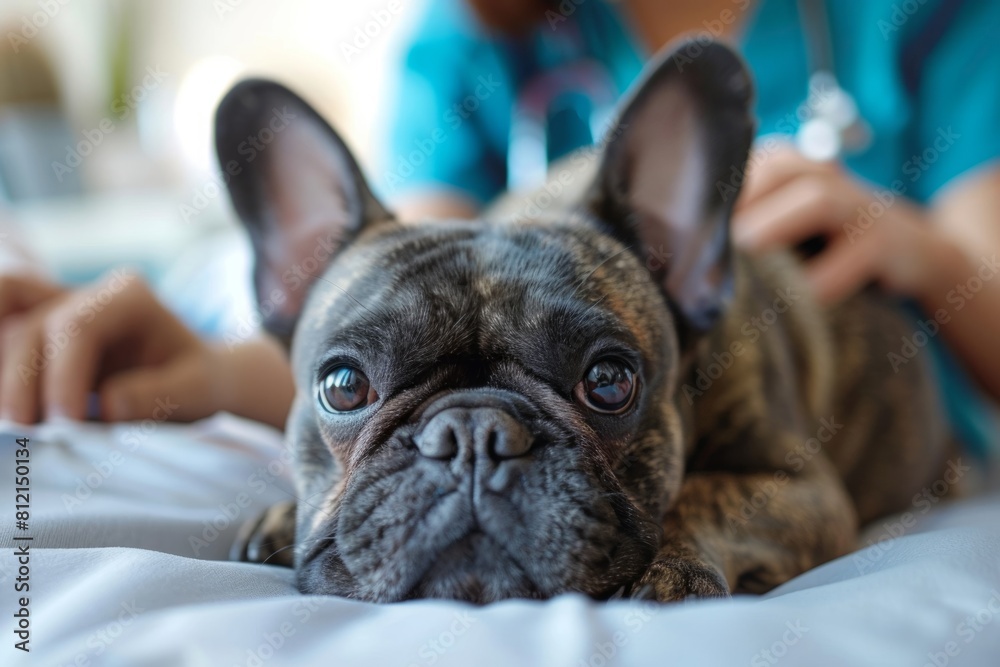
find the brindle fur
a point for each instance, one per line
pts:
(751, 426)
(676, 498)
(748, 431)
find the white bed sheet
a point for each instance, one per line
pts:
(134, 574)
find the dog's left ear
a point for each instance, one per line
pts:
(297, 189)
(665, 183)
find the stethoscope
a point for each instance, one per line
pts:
(832, 125)
(831, 128)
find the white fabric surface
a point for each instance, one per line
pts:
(115, 580)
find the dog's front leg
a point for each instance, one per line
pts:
(269, 538)
(748, 533)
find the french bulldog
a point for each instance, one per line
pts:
(576, 392)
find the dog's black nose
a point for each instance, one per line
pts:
(468, 433)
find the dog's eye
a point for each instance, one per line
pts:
(344, 389)
(609, 386)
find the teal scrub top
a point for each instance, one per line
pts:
(459, 87)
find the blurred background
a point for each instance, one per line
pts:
(106, 116)
(106, 112)
(106, 107)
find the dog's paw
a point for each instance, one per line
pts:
(676, 579)
(270, 538)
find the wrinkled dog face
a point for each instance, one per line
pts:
(478, 454)
(485, 408)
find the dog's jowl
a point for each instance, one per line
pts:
(578, 399)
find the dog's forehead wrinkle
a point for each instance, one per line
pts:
(422, 296)
(534, 287)
(339, 295)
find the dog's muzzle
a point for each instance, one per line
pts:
(485, 434)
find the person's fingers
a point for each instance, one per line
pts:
(115, 311)
(21, 292)
(840, 270)
(20, 373)
(118, 317)
(179, 391)
(803, 208)
(770, 171)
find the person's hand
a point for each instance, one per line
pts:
(113, 338)
(871, 235)
(23, 291)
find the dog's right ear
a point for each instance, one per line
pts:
(297, 189)
(664, 186)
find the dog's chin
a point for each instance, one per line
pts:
(475, 545)
(476, 568)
